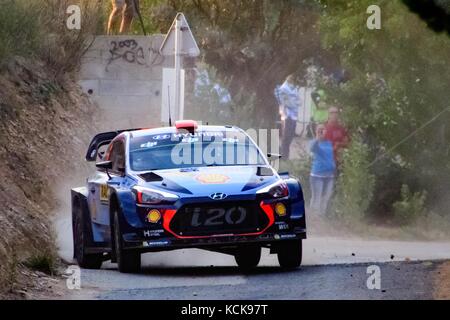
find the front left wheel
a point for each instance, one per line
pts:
(80, 239)
(248, 257)
(127, 261)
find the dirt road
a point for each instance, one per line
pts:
(332, 269)
(399, 280)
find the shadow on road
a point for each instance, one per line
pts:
(210, 271)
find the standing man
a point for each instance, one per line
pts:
(127, 10)
(289, 94)
(335, 132)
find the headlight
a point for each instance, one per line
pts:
(151, 196)
(278, 189)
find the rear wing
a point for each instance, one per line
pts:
(100, 140)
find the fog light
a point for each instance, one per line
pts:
(153, 216)
(280, 209)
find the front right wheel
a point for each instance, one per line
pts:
(290, 254)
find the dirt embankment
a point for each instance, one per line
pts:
(45, 125)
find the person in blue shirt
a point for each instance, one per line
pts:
(323, 171)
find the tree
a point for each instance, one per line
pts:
(436, 13)
(253, 45)
(397, 98)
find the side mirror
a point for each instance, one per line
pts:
(274, 156)
(106, 165)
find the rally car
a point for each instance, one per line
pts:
(185, 186)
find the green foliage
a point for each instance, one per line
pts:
(398, 83)
(19, 28)
(355, 184)
(410, 207)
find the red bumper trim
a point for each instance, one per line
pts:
(267, 208)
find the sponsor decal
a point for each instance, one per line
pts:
(153, 216)
(149, 144)
(104, 193)
(161, 137)
(156, 243)
(153, 233)
(212, 178)
(288, 236)
(190, 139)
(283, 226)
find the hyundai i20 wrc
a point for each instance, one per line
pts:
(187, 186)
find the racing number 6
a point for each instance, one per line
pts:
(104, 192)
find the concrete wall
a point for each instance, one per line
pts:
(123, 75)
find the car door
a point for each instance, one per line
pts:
(98, 186)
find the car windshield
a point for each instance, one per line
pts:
(184, 150)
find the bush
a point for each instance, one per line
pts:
(20, 31)
(39, 29)
(410, 207)
(355, 183)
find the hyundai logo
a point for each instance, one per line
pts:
(218, 196)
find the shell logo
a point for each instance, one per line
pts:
(212, 178)
(153, 216)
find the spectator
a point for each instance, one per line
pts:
(319, 112)
(127, 9)
(289, 95)
(323, 171)
(336, 133)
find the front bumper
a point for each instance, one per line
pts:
(274, 228)
(170, 243)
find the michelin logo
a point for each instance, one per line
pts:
(155, 243)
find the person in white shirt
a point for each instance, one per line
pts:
(289, 94)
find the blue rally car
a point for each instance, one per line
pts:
(188, 186)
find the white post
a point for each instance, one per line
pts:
(178, 44)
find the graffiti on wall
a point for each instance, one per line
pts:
(130, 51)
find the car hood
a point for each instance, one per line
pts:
(205, 181)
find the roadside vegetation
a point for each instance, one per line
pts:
(41, 109)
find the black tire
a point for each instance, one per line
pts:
(290, 254)
(81, 238)
(127, 261)
(248, 257)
